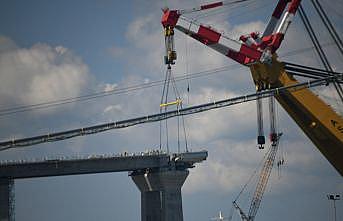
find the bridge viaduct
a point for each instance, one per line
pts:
(159, 177)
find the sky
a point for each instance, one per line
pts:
(51, 50)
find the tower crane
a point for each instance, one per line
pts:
(322, 125)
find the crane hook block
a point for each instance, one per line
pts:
(261, 141)
(170, 55)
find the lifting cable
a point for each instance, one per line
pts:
(252, 7)
(188, 91)
(165, 103)
(260, 132)
(224, 8)
(281, 157)
(180, 105)
(164, 94)
(319, 49)
(330, 28)
(187, 68)
(169, 59)
(328, 25)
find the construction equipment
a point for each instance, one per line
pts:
(170, 55)
(319, 121)
(169, 59)
(266, 168)
(271, 77)
(260, 133)
(261, 184)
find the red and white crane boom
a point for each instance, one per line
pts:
(252, 48)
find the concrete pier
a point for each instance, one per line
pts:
(6, 200)
(161, 198)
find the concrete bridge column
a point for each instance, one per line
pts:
(6, 200)
(161, 198)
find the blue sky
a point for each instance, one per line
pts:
(56, 49)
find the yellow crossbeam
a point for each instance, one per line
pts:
(178, 101)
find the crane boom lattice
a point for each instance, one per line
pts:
(263, 180)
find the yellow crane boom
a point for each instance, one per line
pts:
(317, 119)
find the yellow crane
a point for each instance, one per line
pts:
(318, 120)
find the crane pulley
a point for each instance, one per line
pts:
(170, 55)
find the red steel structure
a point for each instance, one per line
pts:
(252, 47)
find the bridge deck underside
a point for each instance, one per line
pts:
(82, 166)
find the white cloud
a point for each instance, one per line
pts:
(6, 44)
(231, 163)
(246, 28)
(222, 122)
(110, 87)
(109, 108)
(117, 52)
(228, 167)
(40, 73)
